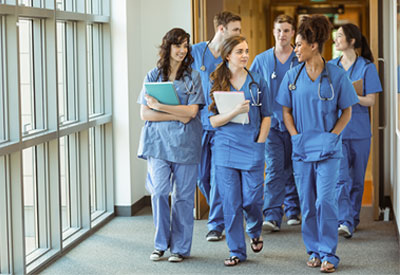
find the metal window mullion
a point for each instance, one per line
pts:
(17, 214)
(92, 169)
(67, 163)
(2, 93)
(109, 164)
(4, 221)
(107, 69)
(70, 64)
(11, 62)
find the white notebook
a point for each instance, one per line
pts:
(227, 101)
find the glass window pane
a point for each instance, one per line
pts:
(398, 62)
(61, 73)
(60, 5)
(25, 3)
(30, 199)
(90, 68)
(26, 75)
(65, 183)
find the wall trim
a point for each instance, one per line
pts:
(128, 211)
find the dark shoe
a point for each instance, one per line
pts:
(293, 220)
(213, 236)
(232, 261)
(270, 226)
(175, 258)
(156, 255)
(254, 244)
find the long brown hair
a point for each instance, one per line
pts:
(222, 75)
(351, 31)
(175, 36)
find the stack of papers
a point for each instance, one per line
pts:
(227, 101)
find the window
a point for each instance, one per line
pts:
(60, 5)
(27, 3)
(31, 76)
(96, 160)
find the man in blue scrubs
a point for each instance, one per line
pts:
(279, 187)
(206, 58)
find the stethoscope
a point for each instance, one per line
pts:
(190, 91)
(255, 100)
(202, 67)
(274, 75)
(292, 86)
(352, 68)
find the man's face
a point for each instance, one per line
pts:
(232, 28)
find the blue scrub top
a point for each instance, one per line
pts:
(359, 126)
(235, 144)
(314, 118)
(172, 140)
(210, 63)
(264, 65)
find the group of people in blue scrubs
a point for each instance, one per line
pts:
(298, 107)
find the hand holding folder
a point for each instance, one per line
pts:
(358, 86)
(164, 92)
(227, 101)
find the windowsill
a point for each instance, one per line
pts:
(35, 255)
(35, 132)
(69, 232)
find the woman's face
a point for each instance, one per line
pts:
(179, 51)
(239, 55)
(303, 49)
(341, 43)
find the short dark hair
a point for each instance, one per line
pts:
(224, 17)
(284, 18)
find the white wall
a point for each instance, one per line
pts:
(137, 29)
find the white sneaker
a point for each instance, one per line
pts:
(293, 220)
(344, 231)
(175, 258)
(270, 226)
(156, 255)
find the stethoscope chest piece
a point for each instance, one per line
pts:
(273, 75)
(292, 87)
(203, 68)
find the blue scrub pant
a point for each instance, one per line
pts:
(316, 183)
(174, 228)
(345, 208)
(357, 155)
(279, 187)
(206, 180)
(241, 191)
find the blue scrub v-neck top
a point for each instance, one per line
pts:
(234, 144)
(359, 126)
(210, 63)
(171, 140)
(314, 118)
(264, 64)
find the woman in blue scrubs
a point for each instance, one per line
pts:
(357, 60)
(238, 149)
(171, 143)
(312, 95)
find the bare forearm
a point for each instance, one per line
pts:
(288, 120)
(342, 121)
(222, 119)
(179, 110)
(264, 129)
(367, 101)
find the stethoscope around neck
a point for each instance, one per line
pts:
(255, 100)
(292, 86)
(273, 74)
(203, 67)
(352, 68)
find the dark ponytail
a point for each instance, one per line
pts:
(351, 31)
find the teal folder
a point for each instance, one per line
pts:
(164, 92)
